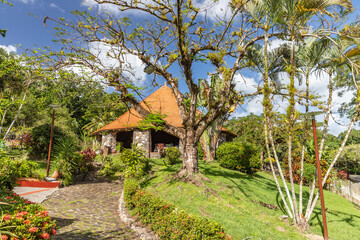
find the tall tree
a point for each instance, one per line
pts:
(174, 40)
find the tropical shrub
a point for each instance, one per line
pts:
(136, 164)
(172, 155)
(166, 220)
(39, 145)
(111, 165)
(22, 219)
(67, 161)
(238, 156)
(12, 169)
(88, 156)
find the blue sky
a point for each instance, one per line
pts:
(24, 22)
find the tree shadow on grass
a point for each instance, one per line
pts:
(341, 217)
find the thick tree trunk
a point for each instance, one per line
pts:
(190, 155)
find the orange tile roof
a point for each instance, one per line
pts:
(162, 101)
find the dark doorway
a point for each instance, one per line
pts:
(125, 138)
(163, 137)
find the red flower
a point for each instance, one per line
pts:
(28, 202)
(14, 194)
(7, 217)
(33, 229)
(53, 231)
(45, 213)
(4, 237)
(45, 236)
(8, 197)
(26, 222)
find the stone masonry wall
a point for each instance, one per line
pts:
(108, 140)
(143, 140)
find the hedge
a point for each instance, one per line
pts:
(166, 220)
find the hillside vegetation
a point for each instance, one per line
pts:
(249, 207)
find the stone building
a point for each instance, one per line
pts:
(125, 130)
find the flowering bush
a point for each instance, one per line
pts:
(22, 219)
(166, 220)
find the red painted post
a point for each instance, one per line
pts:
(51, 135)
(319, 179)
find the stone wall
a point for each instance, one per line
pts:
(108, 142)
(143, 140)
(348, 189)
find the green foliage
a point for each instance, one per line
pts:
(12, 169)
(136, 164)
(67, 161)
(238, 156)
(200, 152)
(153, 121)
(166, 220)
(172, 155)
(23, 219)
(111, 165)
(41, 139)
(354, 137)
(349, 159)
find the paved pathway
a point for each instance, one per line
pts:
(87, 212)
(34, 194)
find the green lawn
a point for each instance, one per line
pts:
(234, 200)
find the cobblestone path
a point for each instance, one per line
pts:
(87, 212)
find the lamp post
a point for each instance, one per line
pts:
(51, 135)
(313, 114)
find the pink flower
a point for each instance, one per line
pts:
(45, 236)
(4, 237)
(26, 222)
(33, 229)
(53, 231)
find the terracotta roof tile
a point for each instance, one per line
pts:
(162, 101)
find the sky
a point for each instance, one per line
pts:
(26, 30)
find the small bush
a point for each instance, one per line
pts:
(22, 219)
(238, 156)
(111, 165)
(166, 220)
(12, 169)
(136, 164)
(172, 155)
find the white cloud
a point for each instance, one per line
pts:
(214, 9)
(28, 1)
(244, 84)
(9, 48)
(53, 5)
(276, 43)
(110, 58)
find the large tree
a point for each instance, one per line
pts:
(175, 38)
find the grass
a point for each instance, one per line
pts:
(234, 199)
